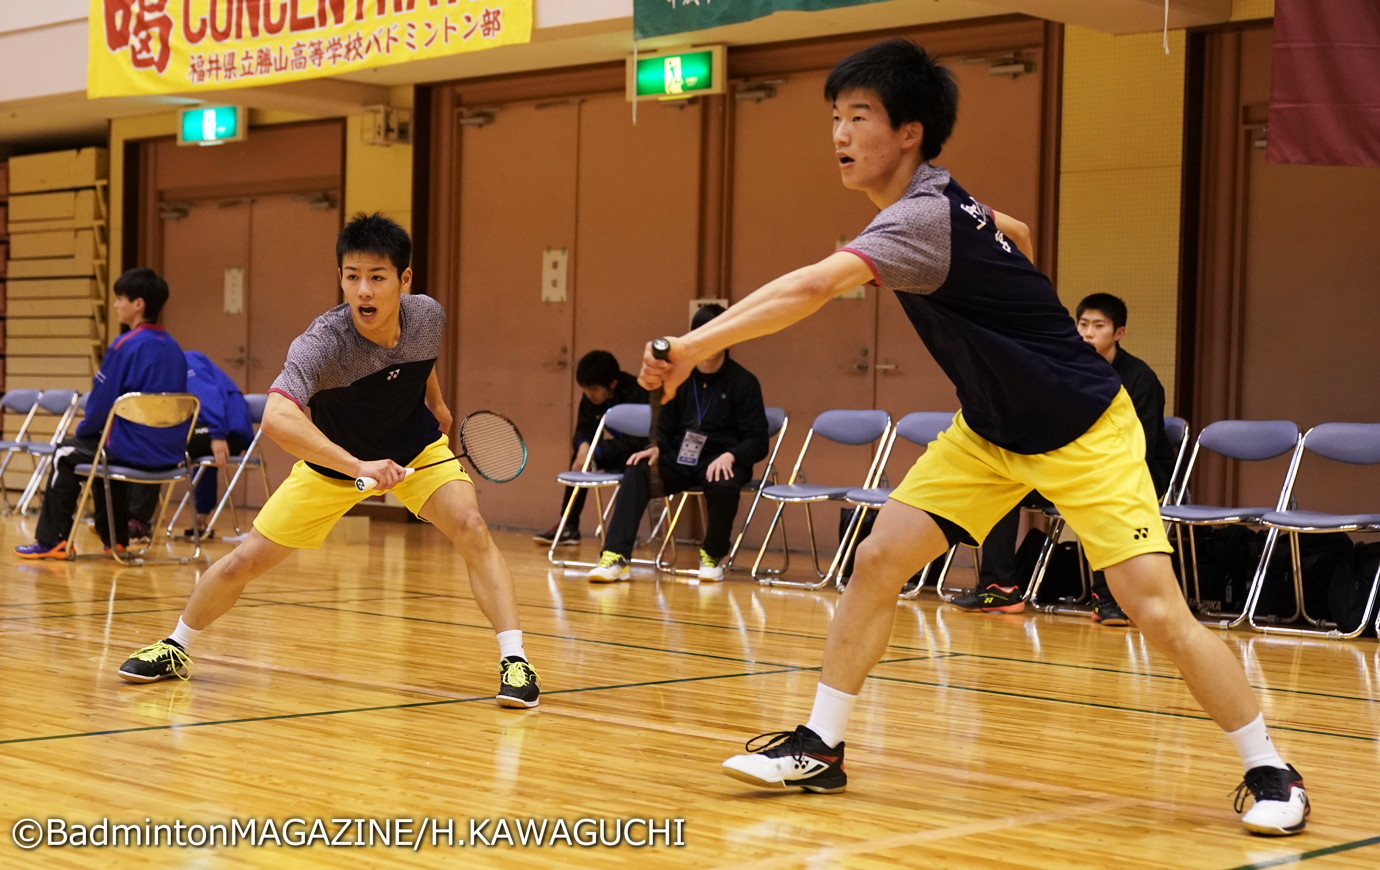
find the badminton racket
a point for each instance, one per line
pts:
(661, 349)
(492, 444)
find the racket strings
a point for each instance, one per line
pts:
(494, 446)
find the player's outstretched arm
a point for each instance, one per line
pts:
(294, 431)
(769, 309)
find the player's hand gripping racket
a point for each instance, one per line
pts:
(661, 349)
(490, 441)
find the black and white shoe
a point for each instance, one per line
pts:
(786, 759)
(1281, 805)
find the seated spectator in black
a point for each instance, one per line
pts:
(143, 360)
(708, 437)
(604, 385)
(223, 429)
(1102, 323)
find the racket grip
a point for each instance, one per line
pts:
(661, 348)
(364, 484)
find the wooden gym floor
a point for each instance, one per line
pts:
(356, 682)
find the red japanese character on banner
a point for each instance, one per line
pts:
(142, 26)
(492, 22)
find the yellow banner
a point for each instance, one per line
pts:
(180, 46)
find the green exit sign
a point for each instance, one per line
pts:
(677, 75)
(211, 125)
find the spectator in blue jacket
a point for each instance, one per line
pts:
(223, 429)
(144, 360)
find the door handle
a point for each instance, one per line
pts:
(886, 367)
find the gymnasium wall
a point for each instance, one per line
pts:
(1121, 164)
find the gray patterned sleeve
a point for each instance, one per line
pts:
(300, 378)
(907, 245)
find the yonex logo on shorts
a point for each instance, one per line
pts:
(1141, 534)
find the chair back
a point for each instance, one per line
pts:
(20, 401)
(853, 428)
(1246, 441)
(1250, 440)
(256, 402)
(1176, 429)
(58, 401)
(159, 410)
(1354, 443)
(922, 427)
(776, 421)
(630, 419)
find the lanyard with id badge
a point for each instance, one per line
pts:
(692, 445)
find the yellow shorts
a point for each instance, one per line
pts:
(304, 509)
(1100, 483)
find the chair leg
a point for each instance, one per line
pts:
(777, 580)
(848, 544)
(31, 489)
(764, 577)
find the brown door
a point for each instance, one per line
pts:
(284, 250)
(637, 241)
(206, 244)
(790, 209)
(517, 183)
(994, 154)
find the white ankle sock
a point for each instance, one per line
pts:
(830, 715)
(510, 644)
(1253, 744)
(184, 635)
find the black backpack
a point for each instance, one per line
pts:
(1350, 586)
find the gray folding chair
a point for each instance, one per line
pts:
(1354, 444)
(157, 410)
(23, 402)
(66, 404)
(919, 428)
(666, 556)
(856, 428)
(252, 457)
(629, 419)
(1176, 429)
(1242, 441)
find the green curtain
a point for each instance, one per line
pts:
(660, 17)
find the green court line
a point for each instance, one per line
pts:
(1306, 856)
(1076, 703)
(936, 654)
(374, 709)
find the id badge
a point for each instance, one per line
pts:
(690, 448)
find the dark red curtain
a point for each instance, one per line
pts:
(1325, 83)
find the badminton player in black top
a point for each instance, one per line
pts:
(358, 398)
(1040, 410)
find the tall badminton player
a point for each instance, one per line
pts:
(358, 397)
(1040, 410)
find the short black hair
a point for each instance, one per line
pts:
(374, 234)
(706, 313)
(913, 87)
(598, 368)
(144, 283)
(1110, 305)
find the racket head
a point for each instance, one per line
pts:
(493, 445)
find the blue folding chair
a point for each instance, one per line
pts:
(23, 402)
(1242, 441)
(919, 428)
(777, 420)
(855, 428)
(629, 419)
(1351, 443)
